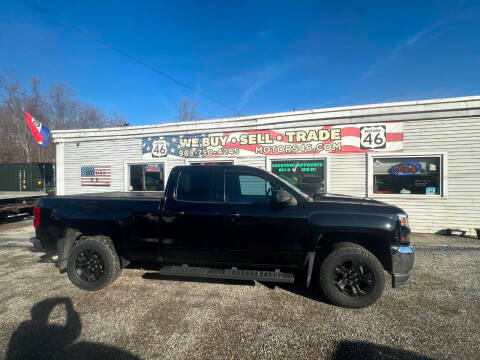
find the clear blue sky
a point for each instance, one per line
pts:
(256, 56)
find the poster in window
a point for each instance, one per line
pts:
(308, 175)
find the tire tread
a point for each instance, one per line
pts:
(329, 290)
(111, 272)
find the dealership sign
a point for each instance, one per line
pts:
(295, 141)
(152, 168)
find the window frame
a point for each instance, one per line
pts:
(246, 173)
(175, 197)
(273, 185)
(126, 175)
(443, 174)
(325, 158)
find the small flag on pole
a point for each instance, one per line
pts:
(40, 132)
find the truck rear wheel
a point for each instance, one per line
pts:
(93, 263)
(351, 276)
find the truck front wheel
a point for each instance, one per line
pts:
(351, 276)
(93, 263)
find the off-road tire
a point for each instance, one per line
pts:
(341, 253)
(102, 245)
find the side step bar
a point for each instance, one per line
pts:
(232, 274)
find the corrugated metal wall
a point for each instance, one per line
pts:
(348, 174)
(113, 152)
(460, 208)
(256, 161)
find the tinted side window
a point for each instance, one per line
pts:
(247, 188)
(194, 185)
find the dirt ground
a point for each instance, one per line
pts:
(436, 315)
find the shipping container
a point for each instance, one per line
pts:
(27, 177)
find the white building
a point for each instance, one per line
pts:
(423, 156)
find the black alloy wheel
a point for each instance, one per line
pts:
(89, 265)
(351, 276)
(93, 263)
(354, 278)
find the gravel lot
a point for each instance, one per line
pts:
(436, 315)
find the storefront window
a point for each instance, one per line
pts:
(308, 175)
(146, 177)
(407, 175)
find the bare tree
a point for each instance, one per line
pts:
(116, 120)
(187, 110)
(57, 109)
(14, 105)
(6, 145)
(64, 108)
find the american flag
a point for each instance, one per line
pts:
(96, 175)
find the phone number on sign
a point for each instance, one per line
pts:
(208, 152)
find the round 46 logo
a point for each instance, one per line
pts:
(159, 148)
(373, 137)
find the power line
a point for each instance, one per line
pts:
(60, 21)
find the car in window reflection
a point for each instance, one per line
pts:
(310, 184)
(288, 179)
(153, 184)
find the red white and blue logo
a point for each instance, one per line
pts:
(407, 168)
(40, 132)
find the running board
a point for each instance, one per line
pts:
(232, 274)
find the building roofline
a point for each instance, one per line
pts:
(343, 112)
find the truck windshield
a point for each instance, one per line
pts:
(292, 187)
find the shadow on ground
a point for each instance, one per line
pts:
(37, 339)
(301, 290)
(346, 350)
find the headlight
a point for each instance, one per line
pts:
(404, 220)
(404, 230)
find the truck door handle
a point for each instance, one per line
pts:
(175, 213)
(232, 215)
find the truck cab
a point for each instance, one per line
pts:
(229, 215)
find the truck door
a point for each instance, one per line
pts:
(191, 218)
(254, 231)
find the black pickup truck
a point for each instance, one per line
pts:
(231, 222)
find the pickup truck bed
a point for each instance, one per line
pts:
(117, 195)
